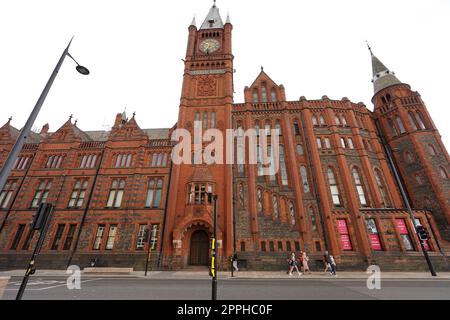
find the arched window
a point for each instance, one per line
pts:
(327, 143)
(443, 173)
(205, 120)
(275, 206)
(359, 187)
(314, 121)
(255, 95)
(284, 175)
(388, 97)
(213, 120)
(333, 187)
(382, 187)
(350, 143)
(259, 200)
(160, 159)
(400, 124)
(344, 121)
(292, 212)
(197, 120)
(296, 128)
(278, 128)
(241, 196)
(322, 120)
(392, 127)
(263, 93)
(240, 150)
(312, 216)
(299, 150)
(259, 160)
(432, 150)
(267, 128)
(319, 143)
(412, 120)
(257, 128)
(273, 95)
(343, 143)
(337, 120)
(420, 121)
(304, 175)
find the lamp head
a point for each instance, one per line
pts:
(82, 70)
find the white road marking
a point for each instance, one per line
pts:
(59, 285)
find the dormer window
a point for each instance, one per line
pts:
(273, 95)
(255, 95)
(263, 93)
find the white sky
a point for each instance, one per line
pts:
(134, 49)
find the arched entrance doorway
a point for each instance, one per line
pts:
(199, 252)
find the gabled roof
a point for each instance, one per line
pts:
(68, 132)
(10, 134)
(263, 77)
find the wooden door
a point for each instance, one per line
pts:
(199, 253)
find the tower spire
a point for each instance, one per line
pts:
(370, 49)
(194, 23)
(213, 19)
(382, 76)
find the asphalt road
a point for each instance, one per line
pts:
(126, 288)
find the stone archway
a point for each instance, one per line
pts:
(199, 248)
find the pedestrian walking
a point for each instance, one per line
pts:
(305, 265)
(330, 264)
(235, 261)
(292, 261)
(333, 265)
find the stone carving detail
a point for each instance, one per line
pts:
(206, 87)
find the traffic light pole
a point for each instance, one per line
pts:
(31, 267)
(214, 253)
(405, 199)
(148, 256)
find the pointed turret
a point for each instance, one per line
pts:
(213, 19)
(193, 23)
(382, 76)
(228, 19)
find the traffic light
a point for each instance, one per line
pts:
(40, 216)
(212, 267)
(423, 234)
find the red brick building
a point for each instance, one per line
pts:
(335, 189)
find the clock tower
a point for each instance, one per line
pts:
(206, 103)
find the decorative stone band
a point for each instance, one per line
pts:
(202, 72)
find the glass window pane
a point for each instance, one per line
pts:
(118, 199)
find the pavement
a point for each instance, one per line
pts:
(203, 274)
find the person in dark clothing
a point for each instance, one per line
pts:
(329, 261)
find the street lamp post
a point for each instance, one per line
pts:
(214, 253)
(9, 163)
(405, 199)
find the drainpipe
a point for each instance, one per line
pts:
(318, 200)
(163, 232)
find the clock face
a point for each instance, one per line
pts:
(209, 45)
